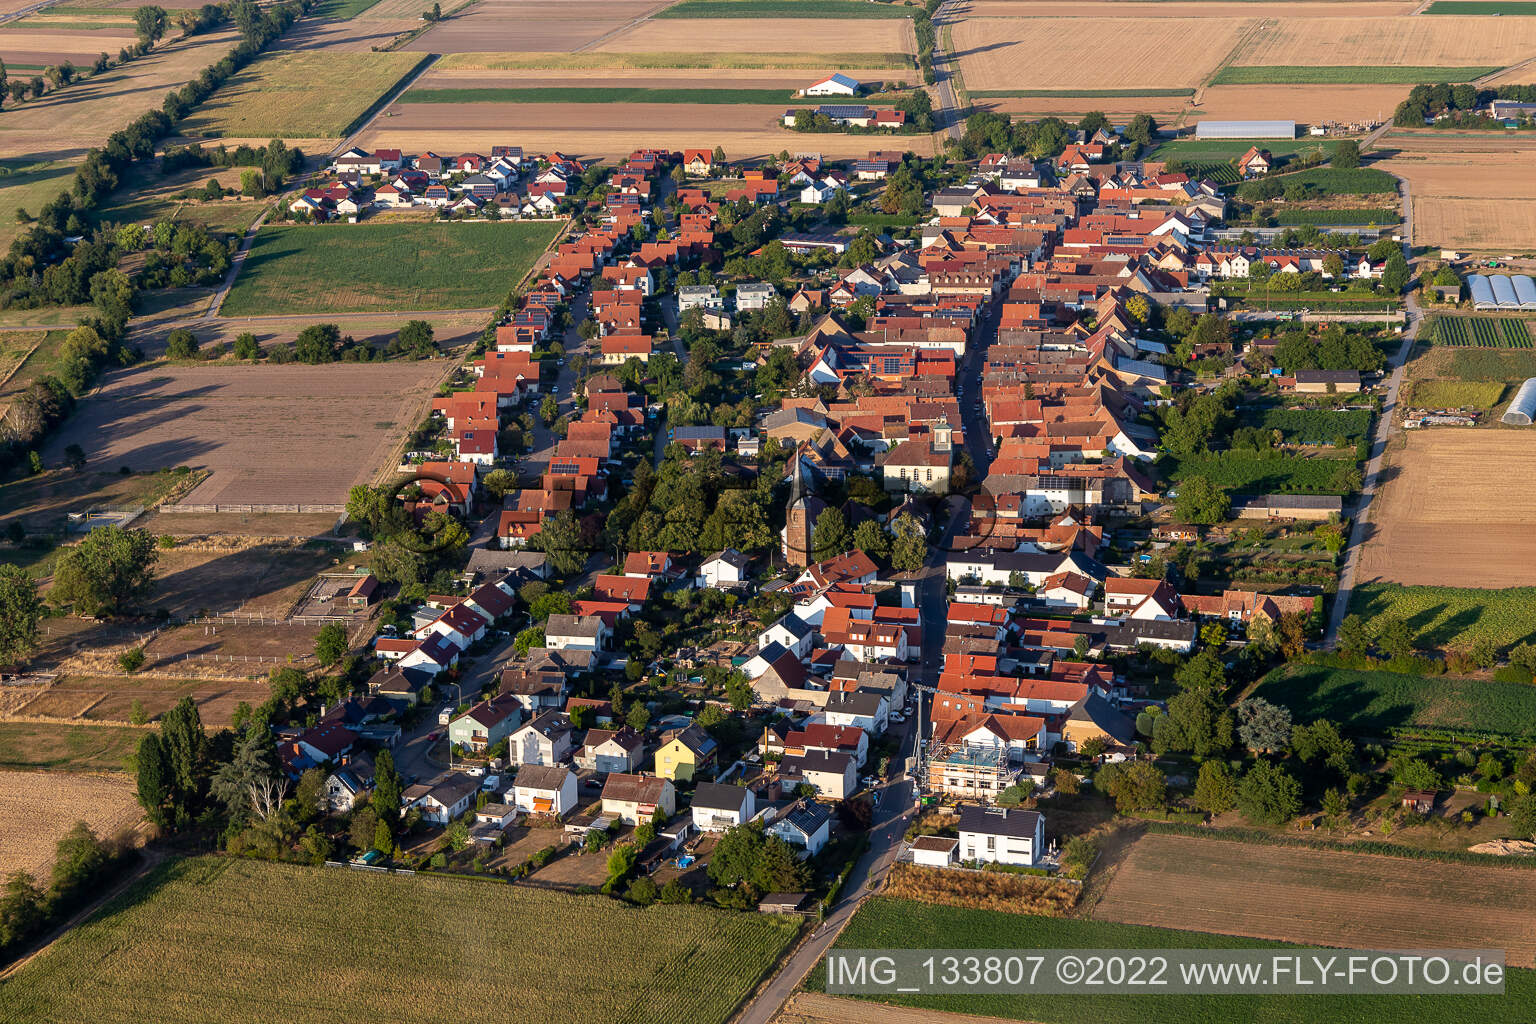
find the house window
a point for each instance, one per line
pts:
(991, 843)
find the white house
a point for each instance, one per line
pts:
(581, 632)
(636, 798)
(832, 774)
(804, 825)
(837, 84)
(820, 191)
(612, 750)
(724, 571)
(706, 296)
(1001, 835)
(790, 633)
(461, 625)
(863, 709)
(545, 789)
(546, 739)
(719, 806)
(935, 851)
(755, 294)
(444, 798)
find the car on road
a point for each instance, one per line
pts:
(474, 773)
(897, 716)
(870, 780)
(432, 737)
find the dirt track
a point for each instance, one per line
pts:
(815, 1008)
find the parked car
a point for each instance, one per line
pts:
(491, 783)
(433, 737)
(870, 780)
(474, 772)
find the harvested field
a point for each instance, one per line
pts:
(699, 963)
(1183, 9)
(1347, 103)
(617, 130)
(1320, 897)
(1490, 225)
(678, 60)
(234, 649)
(1017, 52)
(628, 78)
(269, 434)
(387, 267)
(362, 34)
(1389, 42)
(511, 25)
(239, 524)
(37, 808)
(1483, 538)
(109, 699)
(60, 747)
(785, 9)
(739, 35)
(236, 575)
(984, 890)
(1471, 190)
(1164, 108)
(625, 93)
(300, 95)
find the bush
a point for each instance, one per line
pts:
(180, 344)
(131, 660)
(641, 891)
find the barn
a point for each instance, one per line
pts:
(1245, 130)
(834, 85)
(1500, 291)
(1523, 409)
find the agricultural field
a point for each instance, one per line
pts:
(514, 25)
(1487, 364)
(1480, 332)
(75, 748)
(1305, 9)
(175, 924)
(236, 575)
(379, 267)
(26, 183)
(1454, 394)
(1495, 7)
(1375, 703)
(1319, 897)
(1247, 472)
(37, 808)
(776, 98)
(674, 61)
(1231, 149)
(1387, 42)
(1168, 52)
(268, 434)
(1470, 190)
(1290, 74)
(1477, 536)
(145, 196)
(300, 95)
(1348, 104)
(1336, 181)
(785, 9)
(740, 35)
(1454, 616)
(887, 923)
(1371, 217)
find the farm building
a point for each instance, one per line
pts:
(834, 85)
(1245, 130)
(1288, 506)
(1325, 381)
(1501, 291)
(1523, 409)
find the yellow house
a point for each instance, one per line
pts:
(683, 752)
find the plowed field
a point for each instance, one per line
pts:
(37, 808)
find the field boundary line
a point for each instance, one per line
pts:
(30, 353)
(406, 81)
(1242, 40)
(648, 15)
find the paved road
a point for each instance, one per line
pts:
(1385, 428)
(948, 118)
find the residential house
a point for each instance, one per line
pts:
(545, 789)
(444, 798)
(725, 570)
(486, 724)
(352, 779)
(804, 825)
(579, 632)
(1001, 835)
(611, 750)
(705, 296)
(863, 709)
(755, 295)
(1255, 162)
(832, 774)
(684, 753)
(636, 798)
(837, 84)
(719, 806)
(545, 739)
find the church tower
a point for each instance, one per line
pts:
(800, 515)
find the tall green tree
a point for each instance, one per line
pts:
(151, 22)
(1215, 787)
(830, 536)
(1201, 502)
(186, 748)
(250, 767)
(1267, 794)
(1263, 727)
(331, 644)
(387, 788)
(154, 779)
(909, 548)
(561, 541)
(20, 609)
(108, 572)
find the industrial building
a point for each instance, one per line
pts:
(1502, 291)
(1523, 409)
(1245, 130)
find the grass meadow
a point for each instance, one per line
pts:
(385, 267)
(1455, 394)
(890, 923)
(236, 940)
(63, 747)
(1374, 703)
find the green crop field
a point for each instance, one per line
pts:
(785, 9)
(1502, 7)
(235, 940)
(1231, 149)
(1377, 216)
(1481, 332)
(64, 747)
(884, 923)
(1313, 426)
(1219, 171)
(363, 267)
(1453, 616)
(1334, 181)
(1374, 703)
(579, 94)
(1285, 74)
(1250, 472)
(1455, 394)
(312, 95)
(341, 9)
(1499, 364)
(1072, 94)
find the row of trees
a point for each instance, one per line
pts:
(81, 863)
